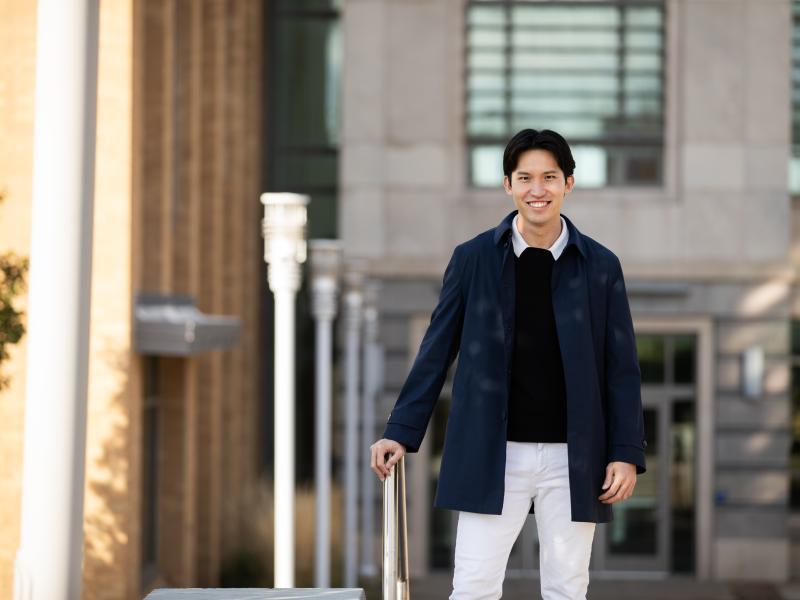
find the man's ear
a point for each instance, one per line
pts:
(507, 184)
(570, 183)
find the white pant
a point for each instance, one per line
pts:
(534, 472)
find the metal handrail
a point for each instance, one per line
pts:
(395, 535)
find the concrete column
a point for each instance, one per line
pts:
(48, 562)
(284, 250)
(325, 267)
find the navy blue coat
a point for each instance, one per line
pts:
(474, 319)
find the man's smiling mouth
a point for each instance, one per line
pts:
(538, 203)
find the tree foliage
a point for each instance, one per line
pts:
(13, 270)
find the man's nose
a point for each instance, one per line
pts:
(537, 189)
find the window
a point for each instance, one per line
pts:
(149, 506)
(304, 111)
(794, 453)
(591, 70)
(794, 164)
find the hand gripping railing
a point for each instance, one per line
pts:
(395, 535)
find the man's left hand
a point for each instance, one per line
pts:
(619, 483)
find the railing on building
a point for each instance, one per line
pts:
(395, 535)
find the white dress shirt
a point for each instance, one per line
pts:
(556, 249)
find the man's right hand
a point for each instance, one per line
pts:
(379, 450)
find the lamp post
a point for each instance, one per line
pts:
(353, 300)
(284, 229)
(48, 562)
(326, 258)
(372, 384)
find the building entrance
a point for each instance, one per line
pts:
(653, 532)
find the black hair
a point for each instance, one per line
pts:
(530, 139)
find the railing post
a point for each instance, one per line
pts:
(395, 535)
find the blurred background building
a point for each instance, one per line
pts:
(684, 117)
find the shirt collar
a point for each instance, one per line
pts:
(556, 249)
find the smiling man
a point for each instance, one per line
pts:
(546, 414)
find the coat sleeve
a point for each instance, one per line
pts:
(412, 411)
(624, 418)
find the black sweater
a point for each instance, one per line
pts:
(537, 407)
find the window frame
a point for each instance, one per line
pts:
(663, 190)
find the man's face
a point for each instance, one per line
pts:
(537, 186)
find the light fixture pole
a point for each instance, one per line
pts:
(326, 258)
(372, 383)
(353, 300)
(284, 229)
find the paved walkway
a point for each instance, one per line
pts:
(437, 587)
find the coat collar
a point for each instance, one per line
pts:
(503, 231)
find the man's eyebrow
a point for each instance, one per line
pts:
(551, 171)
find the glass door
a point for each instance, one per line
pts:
(636, 540)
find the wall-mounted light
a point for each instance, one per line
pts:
(753, 371)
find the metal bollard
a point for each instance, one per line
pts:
(395, 535)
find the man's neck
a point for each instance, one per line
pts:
(543, 236)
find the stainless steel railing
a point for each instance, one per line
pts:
(395, 535)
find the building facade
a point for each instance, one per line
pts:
(679, 112)
(172, 443)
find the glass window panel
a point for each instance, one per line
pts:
(307, 81)
(566, 75)
(642, 168)
(492, 37)
(642, 60)
(487, 15)
(486, 163)
(637, 127)
(650, 349)
(577, 59)
(682, 486)
(642, 83)
(643, 15)
(486, 60)
(684, 359)
(568, 127)
(643, 39)
(310, 4)
(634, 529)
(486, 81)
(322, 215)
(642, 105)
(796, 336)
(602, 105)
(487, 126)
(304, 169)
(559, 82)
(794, 459)
(565, 15)
(486, 103)
(564, 39)
(591, 165)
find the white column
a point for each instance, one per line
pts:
(372, 382)
(49, 559)
(325, 267)
(353, 303)
(284, 250)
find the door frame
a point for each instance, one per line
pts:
(703, 328)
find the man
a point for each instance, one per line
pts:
(546, 410)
